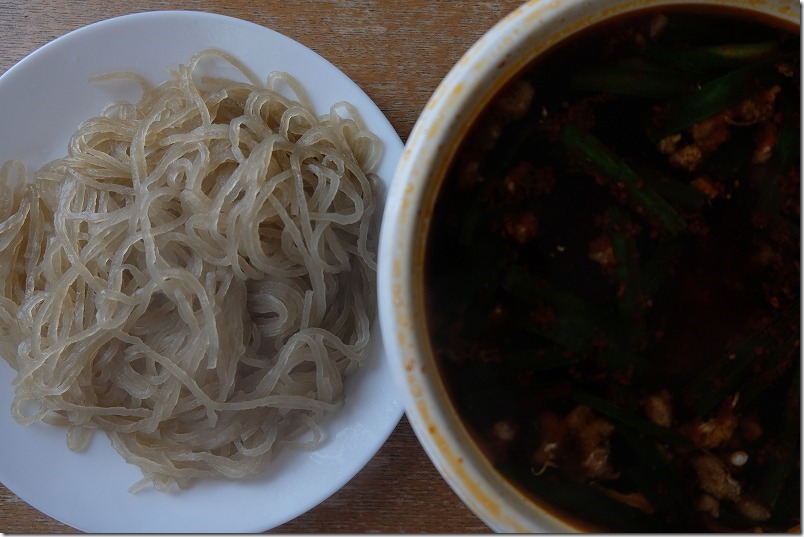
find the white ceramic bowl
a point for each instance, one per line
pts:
(493, 60)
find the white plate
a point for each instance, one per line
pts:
(44, 98)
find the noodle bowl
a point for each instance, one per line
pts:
(196, 277)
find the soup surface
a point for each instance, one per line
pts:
(613, 275)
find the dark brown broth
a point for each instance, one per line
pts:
(562, 307)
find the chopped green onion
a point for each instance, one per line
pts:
(674, 191)
(577, 320)
(711, 59)
(711, 98)
(627, 270)
(593, 152)
(633, 78)
(628, 419)
(743, 51)
(721, 379)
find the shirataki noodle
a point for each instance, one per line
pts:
(196, 277)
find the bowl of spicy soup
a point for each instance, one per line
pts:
(590, 269)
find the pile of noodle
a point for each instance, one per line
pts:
(196, 277)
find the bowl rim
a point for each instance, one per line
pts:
(492, 61)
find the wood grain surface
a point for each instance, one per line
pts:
(398, 52)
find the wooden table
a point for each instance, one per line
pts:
(397, 52)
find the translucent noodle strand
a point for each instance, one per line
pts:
(196, 276)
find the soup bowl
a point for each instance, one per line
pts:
(488, 66)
